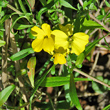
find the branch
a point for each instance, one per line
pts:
(94, 79)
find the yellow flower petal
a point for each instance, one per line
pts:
(67, 29)
(61, 39)
(79, 42)
(37, 32)
(37, 45)
(59, 58)
(46, 29)
(48, 45)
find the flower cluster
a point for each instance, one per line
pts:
(58, 43)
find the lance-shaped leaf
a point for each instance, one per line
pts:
(4, 94)
(31, 66)
(31, 3)
(73, 93)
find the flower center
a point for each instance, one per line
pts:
(45, 36)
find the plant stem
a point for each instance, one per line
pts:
(18, 12)
(94, 79)
(14, 9)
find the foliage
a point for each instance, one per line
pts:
(49, 38)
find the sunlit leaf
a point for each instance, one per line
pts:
(21, 54)
(31, 3)
(89, 24)
(59, 81)
(4, 94)
(18, 26)
(73, 93)
(66, 4)
(2, 43)
(107, 4)
(31, 66)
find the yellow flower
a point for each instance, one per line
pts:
(79, 42)
(61, 39)
(59, 56)
(44, 39)
(67, 29)
(76, 43)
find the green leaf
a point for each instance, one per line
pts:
(4, 18)
(85, 4)
(99, 45)
(73, 93)
(100, 17)
(18, 26)
(59, 81)
(31, 66)
(107, 4)
(92, 7)
(66, 4)
(45, 9)
(31, 3)
(4, 94)
(98, 88)
(21, 54)
(43, 2)
(107, 107)
(22, 6)
(2, 43)
(53, 70)
(80, 59)
(3, 3)
(89, 24)
(77, 24)
(67, 95)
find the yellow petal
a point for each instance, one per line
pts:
(59, 58)
(79, 42)
(37, 45)
(36, 31)
(48, 45)
(46, 29)
(61, 39)
(67, 29)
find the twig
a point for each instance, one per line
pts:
(91, 16)
(4, 54)
(94, 65)
(60, 70)
(97, 13)
(93, 32)
(94, 79)
(14, 9)
(97, 55)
